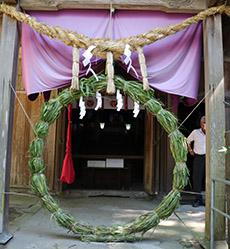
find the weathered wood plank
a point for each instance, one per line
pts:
(211, 3)
(9, 1)
(148, 162)
(164, 5)
(59, 150)
(22, 136)
(215, 119)
(8, 73)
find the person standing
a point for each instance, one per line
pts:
(198, 136)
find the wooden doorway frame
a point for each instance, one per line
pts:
(10, 46)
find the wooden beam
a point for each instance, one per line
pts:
(211, 3)
(9, 1)
(8, 72)
(215, 119)
(190, 6)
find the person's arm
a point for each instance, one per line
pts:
(190, 138)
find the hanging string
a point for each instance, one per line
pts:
(157, 141)
(206, 95)
(23, 109)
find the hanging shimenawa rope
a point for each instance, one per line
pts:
(104, 45)
(127, 232)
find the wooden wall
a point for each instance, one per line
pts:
(23, 135)
(162, 159)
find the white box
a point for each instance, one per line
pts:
(114, 163)
(95, 164)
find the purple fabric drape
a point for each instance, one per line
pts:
(173, 63)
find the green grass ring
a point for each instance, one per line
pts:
(117, 233)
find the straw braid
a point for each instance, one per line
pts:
(104, 45)
(75, 69)
(110, 74)
(143, 68)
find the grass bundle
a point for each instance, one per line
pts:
(169, 203)
(36, 147)
(142, 223)
(178, 146)
(36, 165)
(180, 176)
(127, 232)
(38, 183)
(41, 129)
(51, 111)
(167, 120)
(49, 203)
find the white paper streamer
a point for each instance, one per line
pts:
(128, 60)
(119, 100)
(82, 108)
(88, 56)
(99, 101)
(136, 109)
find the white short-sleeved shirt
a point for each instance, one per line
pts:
(199, 138)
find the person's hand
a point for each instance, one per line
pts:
(191, 152)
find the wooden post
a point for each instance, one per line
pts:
(8, 71)
(228, 177)
(215, 119)
(227, 115)
(148, 154)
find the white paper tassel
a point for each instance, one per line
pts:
(82, 108)
(99, 101)
(128, 60)
(136, 109)
(119, 100)
(88, 55)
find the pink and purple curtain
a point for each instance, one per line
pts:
(173, 63)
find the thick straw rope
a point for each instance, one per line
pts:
(104, 45)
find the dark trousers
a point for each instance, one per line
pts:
(198, 174)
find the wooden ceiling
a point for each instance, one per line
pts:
(192, 6)
(187, 6)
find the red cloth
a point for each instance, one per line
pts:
(68, 172)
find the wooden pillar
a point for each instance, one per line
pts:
(228, 178)
(8, 71)
(148, 154)
(227, 115)
(215, 119)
